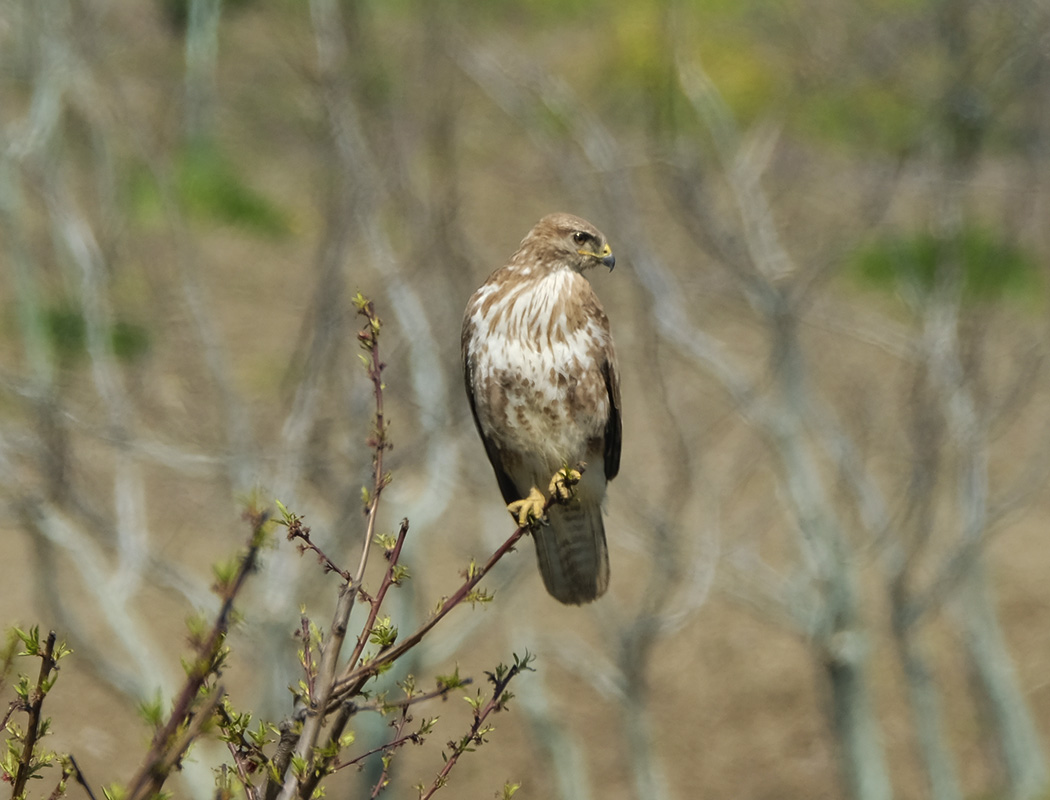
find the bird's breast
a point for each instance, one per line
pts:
(536, 374)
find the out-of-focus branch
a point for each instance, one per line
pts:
(743, 161)
(202, 61)
(781, 413)
(52, 526)
(366, 197)
(564, 751)
(131, 528)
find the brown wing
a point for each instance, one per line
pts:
(613, 426)
(506, 485)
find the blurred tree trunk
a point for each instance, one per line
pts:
(839, 630)
(967, 112)
(202, 63)
(1016, 737)
(862, 758)
(927, 435)
(925, 702)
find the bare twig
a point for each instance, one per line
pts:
(296, 530)
(368, 338)
(78, 773)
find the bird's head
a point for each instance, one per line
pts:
(567, 239)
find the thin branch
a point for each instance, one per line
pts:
(60, 788)
(165, 751)
(49, 525)
(398, 740)
(476, 734)
(346, 709)
(238, 747)
(36, 702)
(376, 602)
(319, 700)
(356, 677)
(296, 530)
(173, 752)
(81, 778)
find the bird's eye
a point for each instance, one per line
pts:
(580, 237)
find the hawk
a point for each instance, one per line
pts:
(541, 376)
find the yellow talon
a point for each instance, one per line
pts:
(562, 486)
(530, 510)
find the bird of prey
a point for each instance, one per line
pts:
(541, 376)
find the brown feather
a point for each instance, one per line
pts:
(541, 378)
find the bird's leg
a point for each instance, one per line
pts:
(563, 484)
(562, 488)
(528, 511)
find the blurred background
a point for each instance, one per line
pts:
(829, 535)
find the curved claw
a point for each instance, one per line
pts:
(562, 486)
(529, 511)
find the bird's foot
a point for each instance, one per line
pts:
(563, 484)
(529, 511)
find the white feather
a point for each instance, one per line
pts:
(536, 375)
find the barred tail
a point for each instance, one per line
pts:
(573, 557)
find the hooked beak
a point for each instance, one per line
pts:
(605, 256)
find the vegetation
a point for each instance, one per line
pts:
(827, 538)
(290, 758)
